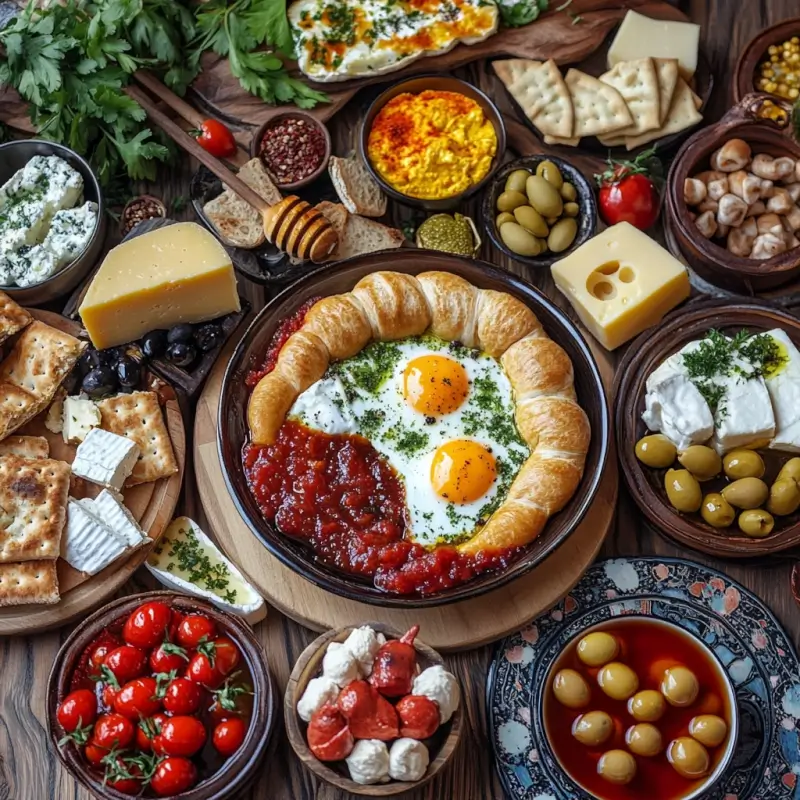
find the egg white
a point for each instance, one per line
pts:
(347, 401)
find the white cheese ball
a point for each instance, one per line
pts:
(441, 687)
(369, 762)
(318, 692)
(339, 664)
(408, 760)
(364, 645)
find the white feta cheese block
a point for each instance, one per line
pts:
(108, 507)
(105, 458)
(87, 544)
(783, 386)
(236, 597)
(70, 232)
(32, 265)
(80, 415)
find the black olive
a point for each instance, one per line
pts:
(89, 360)
(129, 373)
(110, 356)
(180, 334)
(70, 383)
(154, 344)
(181, 355)
(208, 336)
(99, 382)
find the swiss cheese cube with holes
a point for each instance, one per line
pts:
(621, 283)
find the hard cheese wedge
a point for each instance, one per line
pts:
(620, 283)
(178, 273)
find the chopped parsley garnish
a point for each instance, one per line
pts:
(410, 442)
(370, 368)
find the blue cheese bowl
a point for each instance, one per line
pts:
(13, 157)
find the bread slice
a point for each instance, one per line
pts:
(357, 234)
(356, 188)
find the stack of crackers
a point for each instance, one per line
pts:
(632, 104)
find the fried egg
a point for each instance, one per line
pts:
(442, 415)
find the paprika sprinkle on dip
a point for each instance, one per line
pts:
(292, 149)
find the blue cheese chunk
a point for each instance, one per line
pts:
(80, 415)
(108, 507)
(87, 544)
(105, 458)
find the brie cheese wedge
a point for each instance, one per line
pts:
(105, 458)
(108, 507)
(87, 544)
(783, 385)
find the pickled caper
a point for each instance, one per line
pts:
(543, 197)
(568, 191)
(743, 464)
(518, 240)
(784, 497)
(746, 493)
(717, 511)
(756, 523)
(562, 235)
(791, 469)
(551, 173)
(510, 200)
(683, 490)
(515, 182)
(656, 451)
(701, 461)
(503, 217)
(531, 220)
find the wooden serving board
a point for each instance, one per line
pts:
(457, 626)
(152, 504)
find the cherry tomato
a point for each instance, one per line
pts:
(98, 657)
(226, 655)
(229, 735)
(138, 699)
(633, 199)
(200, 671)
(126, 662)
(94, 754)
(109, 695)
(148, 729)
(182, 697)
(174, 623)
(113, 730)
(146, 626)
(123, 784)
(173, 776)
(195, 629)
(216, 139)
(180, 736)
(78, 710)
(167, 657)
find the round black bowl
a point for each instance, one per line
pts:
(586, 219)
(233, 432)
(14, 156)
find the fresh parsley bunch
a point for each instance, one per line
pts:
(515, 15)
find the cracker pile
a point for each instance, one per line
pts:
(632, 104)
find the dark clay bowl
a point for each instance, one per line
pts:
(755, 51)
(645, 484)
(442, 83)
(233, 431)
(711, 261)
(587, 218)
(240, 770)
(441, 746)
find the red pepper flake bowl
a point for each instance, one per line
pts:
(295, 148)
(219, 777)
(441, 746)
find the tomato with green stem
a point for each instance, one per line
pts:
(215, 138)
(628, 191)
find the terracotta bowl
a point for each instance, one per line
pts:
(755, 51)
(240, 770)
(711, 261)
(646, 485)
(443, 83)
(442, 744)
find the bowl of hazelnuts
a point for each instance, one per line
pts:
(733, 201)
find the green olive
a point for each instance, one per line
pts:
(551, 220)
(708, 729)
(518, 240)
(656, 451)
(508, 201)
(570, 689)
(571, 209)
(597, 648)
(784, 497)
(644, 739)
(717, 511)
(680, 687)
(503, 217)
(743, 464)
(543, 197)
(568, 191)
(618, 680)
(701, 461)
(756, 523)
(746, 493)
(531, 220)
(562, 235)
(593, 728)
(515, 182)
(791, 469)
(683, 490)
(688, 757)
(617, 766)
(647, 706)
(551, 173)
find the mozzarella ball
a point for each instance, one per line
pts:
(364, 645)
(408, 760)
(643, 739)
(647, 706)
(570, 689)
(368, 762)
(318, 692)
(679, 685)
(440, 686)
(709, 729)
(618, 680)
(598, 648)
(339, 664)
(688, 757)
(617, 766)
(593, 728)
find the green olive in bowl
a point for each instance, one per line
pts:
(518, 240)
(784, 497)
(683, 490)
(510, 200)
(743, 464)
(515, 182)
(756, 523)
(716, 511)
(746, 493)
(503, 217)
(656, 451)
(544, 197)
(791, 469)
(552, 174)
(531, 220)
(562, 235)
(703, 462)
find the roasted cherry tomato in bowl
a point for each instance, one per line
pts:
(113, 731)
(148, 729)
(180, 736)
(194, 630)
(78, 710)
(182, 696)
(145, 628)
(126, 663)
(215, 138)
(167, 657)
(229, 735)
(173, 776)
(628, 191)
(137, 699)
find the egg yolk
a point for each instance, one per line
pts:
(462, 471)
(435, 385)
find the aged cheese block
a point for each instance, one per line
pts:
(179, 273)
(620, 283)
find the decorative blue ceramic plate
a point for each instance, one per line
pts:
(735, 624)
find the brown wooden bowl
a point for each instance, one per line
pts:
(646, 485)
(744, 76)
(712, 262)
(442, 744)
(237, 772)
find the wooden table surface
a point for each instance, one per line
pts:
(29, 770)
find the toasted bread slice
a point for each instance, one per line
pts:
(356, 189)
(357, 234)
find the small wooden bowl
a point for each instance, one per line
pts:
(309, 665)
(709, 260)
(239, 771)
(754, 53)
(646, 485)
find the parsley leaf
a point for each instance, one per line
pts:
(521, 13)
